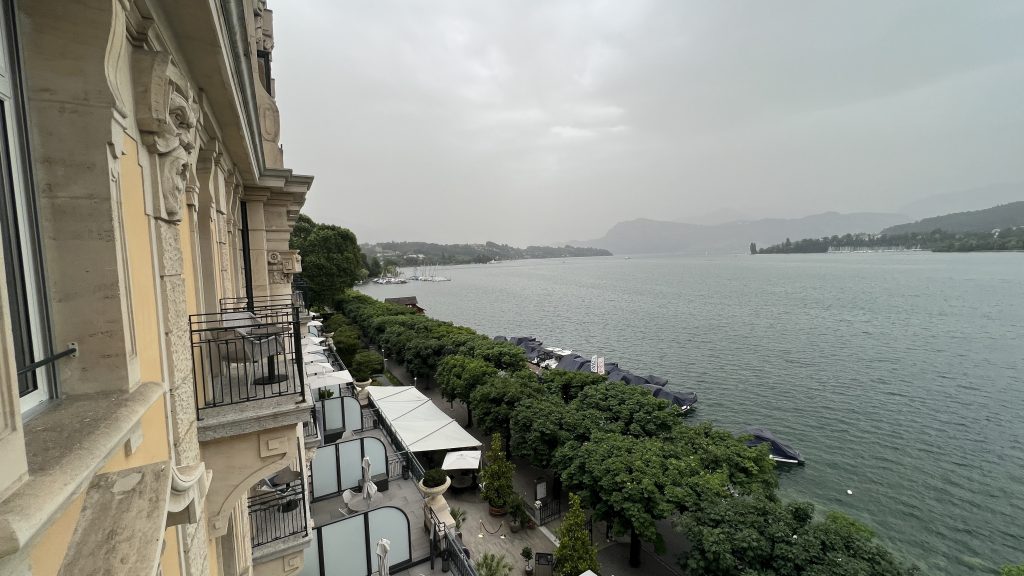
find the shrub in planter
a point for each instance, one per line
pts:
(527, 554)
(434, 477)
(324, 393)
(493, 565)
(498, 490)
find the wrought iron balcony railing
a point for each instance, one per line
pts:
(238, 303)
(243, 356)
(277, 512)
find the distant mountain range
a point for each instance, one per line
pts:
(1002, 217)
(643, 236)
(964, 200)
(964, 208)
(427, 253)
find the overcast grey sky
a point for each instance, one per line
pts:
(540, 121)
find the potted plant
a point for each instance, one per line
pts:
(435, 481)
(492, 565)
(324, 393)
(459, 516)
(527, 554)
(497, 488)
(518, 514)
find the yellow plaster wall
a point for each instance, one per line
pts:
(188, 271)
(139, 247)
(155, 446)
(170, 562)
(49, 551)
(213, 557)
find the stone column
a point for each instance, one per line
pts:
(254, 202)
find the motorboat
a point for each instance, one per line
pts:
(779, 450)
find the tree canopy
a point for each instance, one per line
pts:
(575, 553)
(331, 259)
(459, 376)
(631, 458)
(634, 482)
(756, 535)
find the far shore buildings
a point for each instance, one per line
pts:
(145, 426)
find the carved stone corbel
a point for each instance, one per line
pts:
(189, 485)
(167, 113)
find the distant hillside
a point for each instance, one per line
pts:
(1003, 216)
(964, 200)
(645, 236)
(413, 253)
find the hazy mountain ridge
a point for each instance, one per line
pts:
(973, 199)
(1002, 216)
(648, 236)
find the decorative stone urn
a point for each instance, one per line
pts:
(435, 491)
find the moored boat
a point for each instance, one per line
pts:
(779, 451)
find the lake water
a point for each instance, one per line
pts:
(898, 376)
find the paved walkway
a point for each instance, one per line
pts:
(613, 554)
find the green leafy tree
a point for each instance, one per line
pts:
(756, 535)
(749, 470)
(629, 410)
(502, 355)
(459, 376)
(539, 427)
(496, 400)
(496, 475)
(366, 364)
(1012, 571)
(493, 565)
(331, 259)
(634, 482)
(346, 344)
(568, 385)
(575, 554)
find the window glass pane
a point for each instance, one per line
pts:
(325, 472)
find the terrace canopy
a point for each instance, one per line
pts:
(420, 424)
(462, 460)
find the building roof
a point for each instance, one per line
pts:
(403, 300)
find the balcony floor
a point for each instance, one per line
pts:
(263, 410)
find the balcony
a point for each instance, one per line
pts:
(247, 367)
(278, 511)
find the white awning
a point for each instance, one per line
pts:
(462, 460)
(420, 424)
(339, 378)
(318, 368)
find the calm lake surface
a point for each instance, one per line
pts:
(898, 376)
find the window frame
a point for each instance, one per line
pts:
(22, 243)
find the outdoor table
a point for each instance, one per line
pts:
(272, 376)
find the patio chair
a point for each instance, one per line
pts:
(235, 344)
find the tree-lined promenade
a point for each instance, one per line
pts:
(631, 458)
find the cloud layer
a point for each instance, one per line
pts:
(541, 121)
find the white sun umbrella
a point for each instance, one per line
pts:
(313, 340)
(312, 348)
(339, 378)
(314, 323)
(313, 357)
(383, 547)
(369, 488)
(318, 368)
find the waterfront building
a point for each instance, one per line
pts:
(153, 412)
